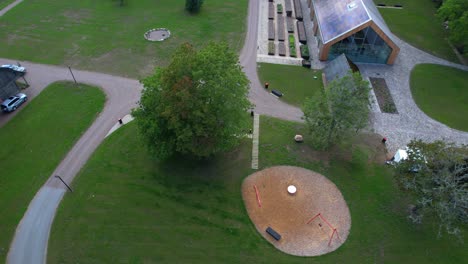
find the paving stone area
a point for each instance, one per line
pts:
(411, 122)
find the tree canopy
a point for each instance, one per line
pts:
(437, 173)
(456, 13)
(197, 105)
(341, 109)
(193, 6)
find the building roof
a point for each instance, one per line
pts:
(337, 17)
(8, 86)
(338, 68)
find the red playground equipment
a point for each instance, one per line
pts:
(258, 196)
(329, 225)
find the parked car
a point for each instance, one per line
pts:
(15, 68)
(13, 102)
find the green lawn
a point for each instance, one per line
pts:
(417, 24)
(102, 36)
(295, 82)
(442, 93)
(35, 141)
(130, 208)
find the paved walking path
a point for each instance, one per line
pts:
(255, 141)
(9, 7)
(30, 241)
(264, 103)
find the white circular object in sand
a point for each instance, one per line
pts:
(292, 189)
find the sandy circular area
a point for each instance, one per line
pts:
(290, 215)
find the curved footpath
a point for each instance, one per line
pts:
(30, 242)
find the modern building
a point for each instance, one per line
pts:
(338, 68)
(352, 27)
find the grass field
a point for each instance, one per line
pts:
(295, 82)
(417, 24)
(129, 208)
(102, 36)
(442, 93)
(35, 141)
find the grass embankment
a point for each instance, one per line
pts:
(295, 82)
(35, 141)
(417, 24)
(102, 36)
(442, 93)
(128, 207)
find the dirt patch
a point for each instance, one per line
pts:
(289, 215)
(384, 98)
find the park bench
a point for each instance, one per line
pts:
(280, 26)
(271, 30)
(298, 10)
(273, 233)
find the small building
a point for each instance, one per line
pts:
(352, 27)
(8, 86)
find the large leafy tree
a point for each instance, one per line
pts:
(193, 5)
(197, 105)
(341, 109)
(456, 13)
(437, 173)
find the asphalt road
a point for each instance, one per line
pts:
(30, 241)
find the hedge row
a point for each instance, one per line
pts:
(281, 49)
(280, 26)
(271, 30)
(290, 24)
(305, 52)
(288, 7)
(298, 10)
(271, 11)
(279, 8)
(292, 46)
(301, 32)
(271, 48)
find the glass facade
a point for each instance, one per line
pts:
(363, 46)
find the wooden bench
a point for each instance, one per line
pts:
(298, 10)
(273, 233)
(271, 11)
(301, 32)
(271, 30)
(280, 27)
(290, 24)
(281, 49)
(288, 7)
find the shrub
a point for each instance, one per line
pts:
(193, 6)
(305, 52)
(279, 8)
(292, 46)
